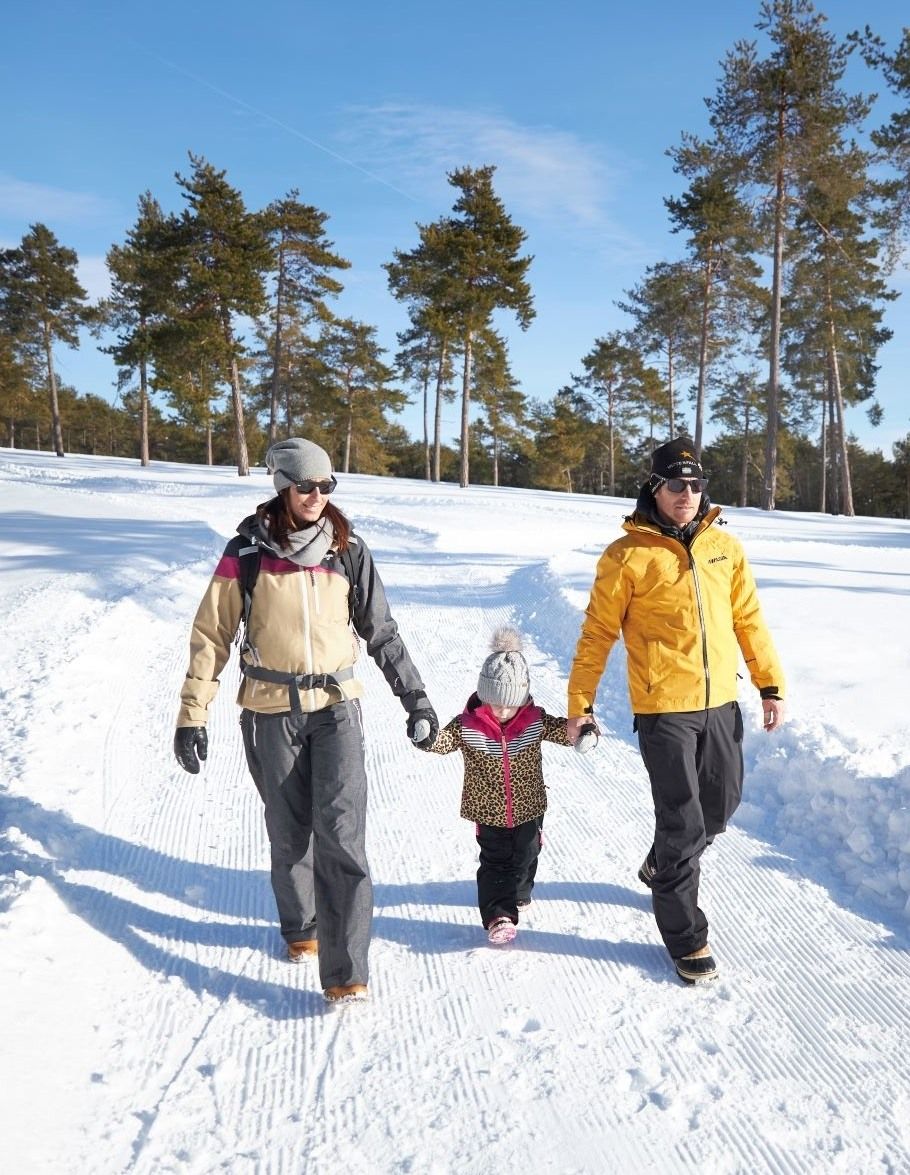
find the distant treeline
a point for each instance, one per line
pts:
(795, 207)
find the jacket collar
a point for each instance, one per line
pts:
(477, 715)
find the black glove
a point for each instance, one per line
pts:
(190, 741)
(423, 725)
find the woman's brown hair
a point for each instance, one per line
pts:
(276, 519)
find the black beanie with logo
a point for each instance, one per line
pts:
(676, 459)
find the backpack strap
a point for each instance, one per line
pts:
(347, 561)
(249, 559)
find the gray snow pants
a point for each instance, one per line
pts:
(695, 764)
(309, 771)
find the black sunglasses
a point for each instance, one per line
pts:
(676, 485)
(324, 487)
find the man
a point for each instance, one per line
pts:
(680, 591)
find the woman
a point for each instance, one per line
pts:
(301, 719)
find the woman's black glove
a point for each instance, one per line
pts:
(423, 725)
(190, 741)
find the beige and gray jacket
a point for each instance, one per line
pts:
(300, 623)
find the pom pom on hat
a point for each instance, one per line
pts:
(295, 460)
(504, 679)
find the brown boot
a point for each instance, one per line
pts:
(298, 951)
(346, 993)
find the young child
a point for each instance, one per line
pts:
(499, 734)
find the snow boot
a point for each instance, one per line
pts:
(306, 949)
(697, 968)
(346, 993)
(501, 931)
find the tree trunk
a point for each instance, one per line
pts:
(56, 430)
(770, 488)
(833, 451)
(426, 422)
(348, 434)
(744, 466)
(465, 410)
(243, 459)
(437, 421)
(495, 460)
(702, 363)
(823, 449)
(209, 455)
(276, 355)
(672, 412)
(846, 482)
(143, 413)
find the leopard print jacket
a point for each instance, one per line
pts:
(503, 766)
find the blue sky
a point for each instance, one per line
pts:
(364, 107)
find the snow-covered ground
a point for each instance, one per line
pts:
(150, 1023)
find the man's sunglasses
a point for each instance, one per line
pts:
(676, 485)
(325, 487)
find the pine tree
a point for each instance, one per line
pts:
(771, 119)
(664, 307)
(423, 278)
(361, 381)
(562, 437)
(488, 273)
(497, 392)
(832, 315)
(142, 273)
(42, 304)
(893, 138)
(302, 257)
(227, 256)
(613, 379)
(720, 237)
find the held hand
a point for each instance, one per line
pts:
(423, 726)
(588, 737)
(190, 742)
(575, 727)
(774, 713)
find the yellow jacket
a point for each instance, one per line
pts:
(685, 614)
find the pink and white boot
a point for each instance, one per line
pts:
(501, 931)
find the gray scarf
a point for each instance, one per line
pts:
(308, 547)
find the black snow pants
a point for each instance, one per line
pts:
(508, 866)
(695, 764)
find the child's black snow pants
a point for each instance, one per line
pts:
(508, 866)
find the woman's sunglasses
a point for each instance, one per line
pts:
(676, 485)
(325, 487)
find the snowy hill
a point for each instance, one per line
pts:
(151, 1023)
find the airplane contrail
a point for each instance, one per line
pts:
(282, 125)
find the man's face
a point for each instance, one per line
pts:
(677, 509)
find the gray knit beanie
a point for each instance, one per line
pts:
(504, 679)
(295, 460)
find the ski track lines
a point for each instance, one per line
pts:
(637, 1074)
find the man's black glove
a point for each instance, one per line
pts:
(423, 725)
(190, 741)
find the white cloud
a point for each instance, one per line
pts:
(32, 203)
(543, 174)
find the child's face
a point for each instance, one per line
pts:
(504, 713)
